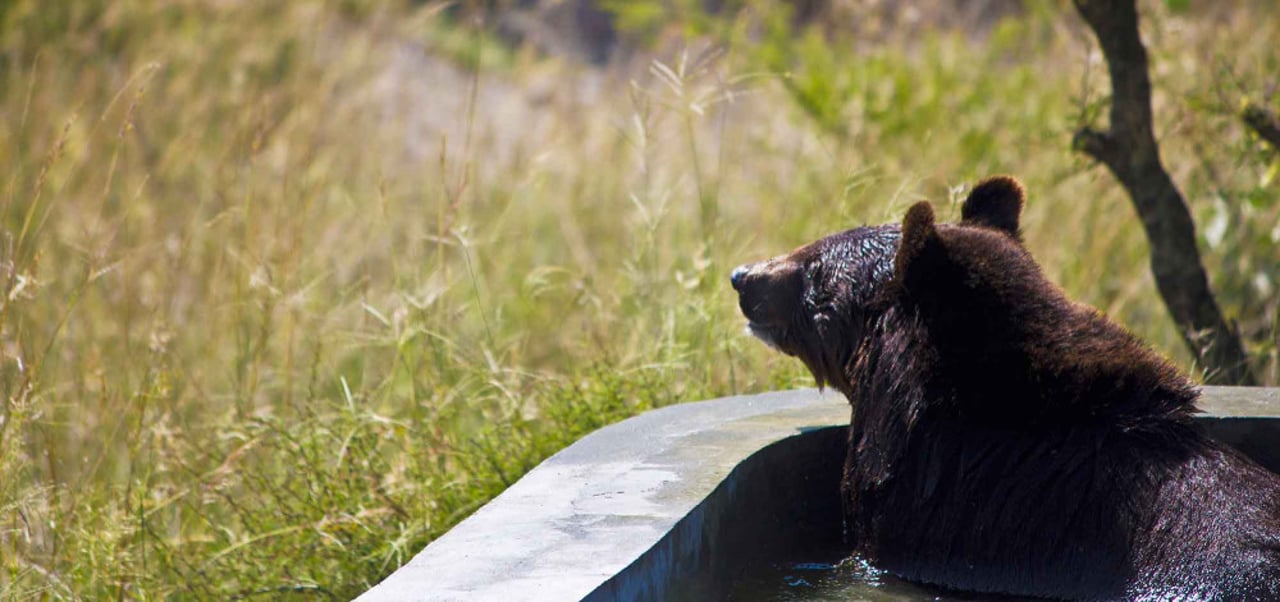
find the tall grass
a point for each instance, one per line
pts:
(291, 288)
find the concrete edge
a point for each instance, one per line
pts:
(632, 495)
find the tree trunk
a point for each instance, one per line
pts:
(1128, 148)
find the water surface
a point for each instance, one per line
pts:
(825, 577)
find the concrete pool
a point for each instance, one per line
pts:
(686, 501)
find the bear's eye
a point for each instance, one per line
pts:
(816, 289)
(813, 270)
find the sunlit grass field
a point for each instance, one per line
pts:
(291, 288)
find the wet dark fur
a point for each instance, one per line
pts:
(1003, 438)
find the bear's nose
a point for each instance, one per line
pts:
(738, 275)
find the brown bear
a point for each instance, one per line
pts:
(1005, 439)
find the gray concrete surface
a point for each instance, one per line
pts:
(635, 510)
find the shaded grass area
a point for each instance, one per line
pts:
(291, 288)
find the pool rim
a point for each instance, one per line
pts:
(627, 512)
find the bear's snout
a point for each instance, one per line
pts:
(768, 290)
(738, 276)
(751, 293)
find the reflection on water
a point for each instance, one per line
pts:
(848, 580)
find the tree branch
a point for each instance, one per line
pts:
(1096, 144)
(1263, 122)
(1129, 150)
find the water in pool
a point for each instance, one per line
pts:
(824, 579)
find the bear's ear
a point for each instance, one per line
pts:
(921, 248)
(995, 202)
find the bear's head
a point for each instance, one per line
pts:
(956, 315)
(819, 302)
(812, 303)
